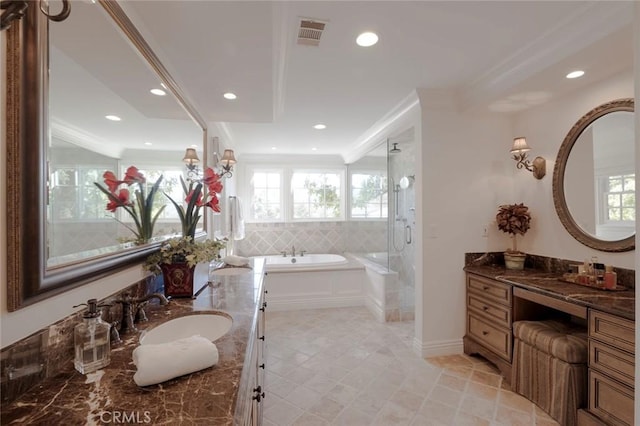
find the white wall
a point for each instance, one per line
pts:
(545, 127)
(465, 174)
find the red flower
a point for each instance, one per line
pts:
(133, 175)
(123, 200)
(111, 181)
(214, 203)
(210, 177)
(198, 201)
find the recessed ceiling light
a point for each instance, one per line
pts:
(575, 74)
(274, 148)
(314, 149)
(158, 92)
(112, 117)
(320, 126)
(230, 96)
(367, 39)
(148, 143)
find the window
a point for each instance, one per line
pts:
(265, 193)
(369, 195)
(77, 198)
(316, 195)
(619, 194)
(74, 194)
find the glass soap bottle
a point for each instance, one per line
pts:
(91, 340)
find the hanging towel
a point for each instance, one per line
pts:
(237, 219)
(161, 362)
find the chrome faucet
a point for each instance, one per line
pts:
(128, 318)
(293, 251)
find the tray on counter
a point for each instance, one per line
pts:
(617, 288)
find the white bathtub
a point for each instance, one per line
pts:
(308, 261)
(314, 281)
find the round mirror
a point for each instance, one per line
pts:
(594, 178)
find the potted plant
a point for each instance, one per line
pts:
(140, 207)
(514, 219)
(177, 259)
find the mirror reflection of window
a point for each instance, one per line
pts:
(600, 179)
(369, 195)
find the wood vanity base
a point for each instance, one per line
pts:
(471, 347)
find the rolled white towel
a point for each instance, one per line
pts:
(164, 361)
(235, 260)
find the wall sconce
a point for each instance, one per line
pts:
(191, 160)
(519, 150)
(226, 163)
(15, 9)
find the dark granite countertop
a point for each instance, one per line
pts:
(621, 303)
(109, 395)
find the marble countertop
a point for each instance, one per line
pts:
(621, 303)
(109, 395)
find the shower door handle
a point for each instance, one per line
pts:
(407, 234)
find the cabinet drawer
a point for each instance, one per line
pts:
(494, 290)
(615, 331)
(495, 339)
(500, 314)
(613, 362)
(610, 400)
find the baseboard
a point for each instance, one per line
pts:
(315, 303)
(438, 348)
(375, 309)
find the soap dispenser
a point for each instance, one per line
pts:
(91, 340)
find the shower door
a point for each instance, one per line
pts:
(402, 216)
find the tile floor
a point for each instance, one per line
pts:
(341, 367)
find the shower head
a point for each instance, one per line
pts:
(395, 149)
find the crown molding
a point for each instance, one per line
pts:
(374, 135)
(76, 136)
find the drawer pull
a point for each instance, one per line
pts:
(484, 333)
(485, 288)
(485, 308)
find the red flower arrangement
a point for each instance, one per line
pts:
(140, 208)
(197, 197)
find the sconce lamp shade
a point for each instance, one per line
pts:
(191, 157)
(520, 145)
(228, 159)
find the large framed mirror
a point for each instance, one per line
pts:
(594, 178)
(62, 79)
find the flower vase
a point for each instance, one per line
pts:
(178, 279)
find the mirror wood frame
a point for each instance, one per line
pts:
(28, 279)
(559, 199)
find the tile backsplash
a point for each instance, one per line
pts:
(314, 237)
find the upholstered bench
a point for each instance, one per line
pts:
(550, 366)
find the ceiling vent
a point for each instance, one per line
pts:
(310, 32)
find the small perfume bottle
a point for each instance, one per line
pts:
(91, 341)
(610, 277)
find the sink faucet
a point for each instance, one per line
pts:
(128, 319)
(293, 250)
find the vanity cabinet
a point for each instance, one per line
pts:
(611, 368)
(255, 361)
(489, 318)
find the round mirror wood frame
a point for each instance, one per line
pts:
(28, 278)
(559, 199)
